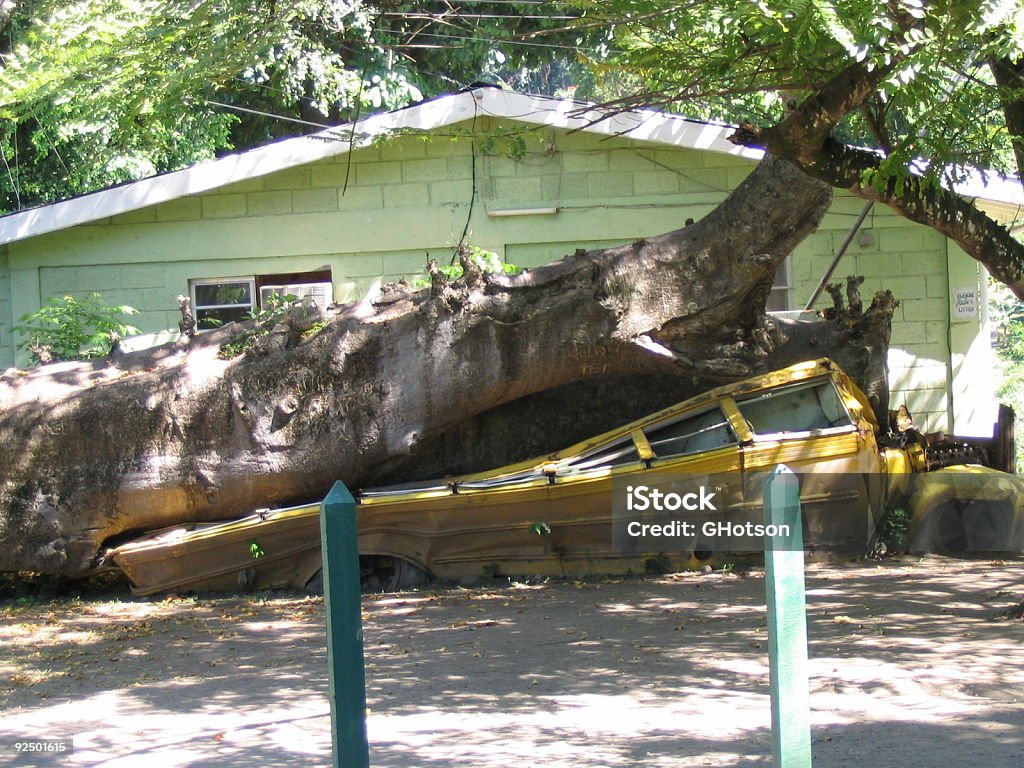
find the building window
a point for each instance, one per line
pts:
(320, 293)
(219, 301)
(781, 297)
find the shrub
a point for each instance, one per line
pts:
(69, 328)
(891, 531)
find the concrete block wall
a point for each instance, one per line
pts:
(911, 261)
(6, 321)
(381, 212)
(142, 286)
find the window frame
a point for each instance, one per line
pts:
(596, 460)
(796, 434)
(256, 283)
(247, 280)
(783, 286)
(715, 406)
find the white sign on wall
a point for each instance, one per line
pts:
(965, 303)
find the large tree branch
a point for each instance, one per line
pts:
(810, 125)
(913, 197)
(800, 136)
(1009, 77)
(805, 139)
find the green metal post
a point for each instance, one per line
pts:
(787, 622)
(340, 546)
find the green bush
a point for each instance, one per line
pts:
(69, 328)
(891, 531)
(1007, 317)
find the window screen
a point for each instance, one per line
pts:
(690, 434)
(799, 408)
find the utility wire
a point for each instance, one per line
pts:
(456, 3)
(359, 107)
(14, 185)
(473, 190)
(461, 15)
(261, 113)
(14, 177)
(501, 41)
(42, 130)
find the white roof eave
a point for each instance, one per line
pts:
(230, 169)
(641, 125)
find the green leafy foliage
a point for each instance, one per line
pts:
(262, 321)
(488, 261)
(507, 141)
(70, 328)
(737, 60)
(314, 329)
(1007, 318)
(95, 93)
(891, 532)
(98, 92)
(1010, 391)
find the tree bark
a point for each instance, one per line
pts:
(555, 418)
(805, 139)
(1009, 76)
(92, 453)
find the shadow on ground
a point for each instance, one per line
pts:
(916, 660)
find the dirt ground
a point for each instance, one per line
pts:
(912, 663)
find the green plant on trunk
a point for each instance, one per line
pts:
(264, 319)
(488, 261)
(70, 328)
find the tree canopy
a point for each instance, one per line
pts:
(894, 101)
(98, 92)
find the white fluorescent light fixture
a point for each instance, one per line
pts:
(499, 212)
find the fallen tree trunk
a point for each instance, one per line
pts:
(93, 452)
(547, 421)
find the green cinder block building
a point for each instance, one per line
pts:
(337, 214)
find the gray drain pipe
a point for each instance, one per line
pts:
(839, 254)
